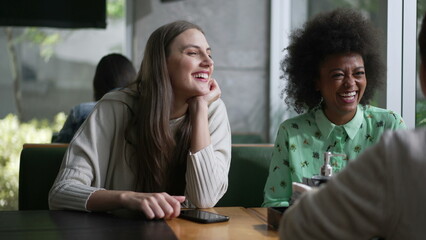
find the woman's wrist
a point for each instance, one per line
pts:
(198, 106)
(122, 199)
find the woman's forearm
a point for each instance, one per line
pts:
(200, 137)
(153, 205)
(105, 200)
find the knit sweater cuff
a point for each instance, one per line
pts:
(74, 197)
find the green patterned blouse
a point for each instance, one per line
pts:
(301, 142)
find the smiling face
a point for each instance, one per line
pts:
(342, 84)
(190, 65)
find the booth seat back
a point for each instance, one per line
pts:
(247, 175)
(40, 164)
(247, 138)
(38, 168)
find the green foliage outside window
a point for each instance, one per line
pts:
(421, 113)
(13, 135)
(115, 9)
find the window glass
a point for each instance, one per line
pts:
(55, 67)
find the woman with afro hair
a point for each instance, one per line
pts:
(332, 68)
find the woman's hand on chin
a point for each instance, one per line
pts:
(153, 205)
(213, 94)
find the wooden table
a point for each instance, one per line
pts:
(243, 224)
(261, 213)
(43, 224)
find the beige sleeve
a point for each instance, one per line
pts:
(207, 169)
(86, 161)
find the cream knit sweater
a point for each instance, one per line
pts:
(95, 158)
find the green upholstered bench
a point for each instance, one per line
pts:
(247, 175)
(247, 138)
(38, 168)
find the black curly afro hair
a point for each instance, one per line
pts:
(422, 40)
(339, 31)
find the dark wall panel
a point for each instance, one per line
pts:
(53, 13)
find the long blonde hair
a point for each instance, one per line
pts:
(160, 156)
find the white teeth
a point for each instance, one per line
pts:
(201, 75)
(349, 94)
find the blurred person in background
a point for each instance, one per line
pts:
(112, 72)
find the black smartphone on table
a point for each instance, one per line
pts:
(202, 216)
